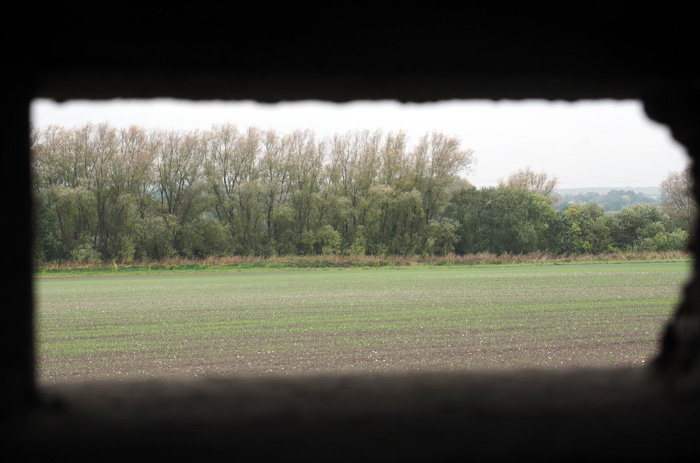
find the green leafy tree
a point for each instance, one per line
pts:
(501, 220)
(562, 234)
(465, 208)
(589, 230)
(440, 237)
(328, 240)
(306, 160)
(517, 220)
(437, 160)
(180, 178)
(643, 227)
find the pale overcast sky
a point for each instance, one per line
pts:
(585, 144)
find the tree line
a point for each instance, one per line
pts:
(103, 193)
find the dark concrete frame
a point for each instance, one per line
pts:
(606, 52)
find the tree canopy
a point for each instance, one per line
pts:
(104, 193)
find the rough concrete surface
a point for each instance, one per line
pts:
(434, 52)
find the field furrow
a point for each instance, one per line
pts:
(352, 321)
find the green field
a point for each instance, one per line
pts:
(350, 321)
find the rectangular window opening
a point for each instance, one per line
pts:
(182, 240)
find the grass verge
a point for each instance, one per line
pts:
(242, 263)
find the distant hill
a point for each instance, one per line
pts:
(647, 191)
(609, 198)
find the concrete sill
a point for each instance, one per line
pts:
(575, 415)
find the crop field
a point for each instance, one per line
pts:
(133, 327)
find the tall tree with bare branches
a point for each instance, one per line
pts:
(527, 179)
(678, 200)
